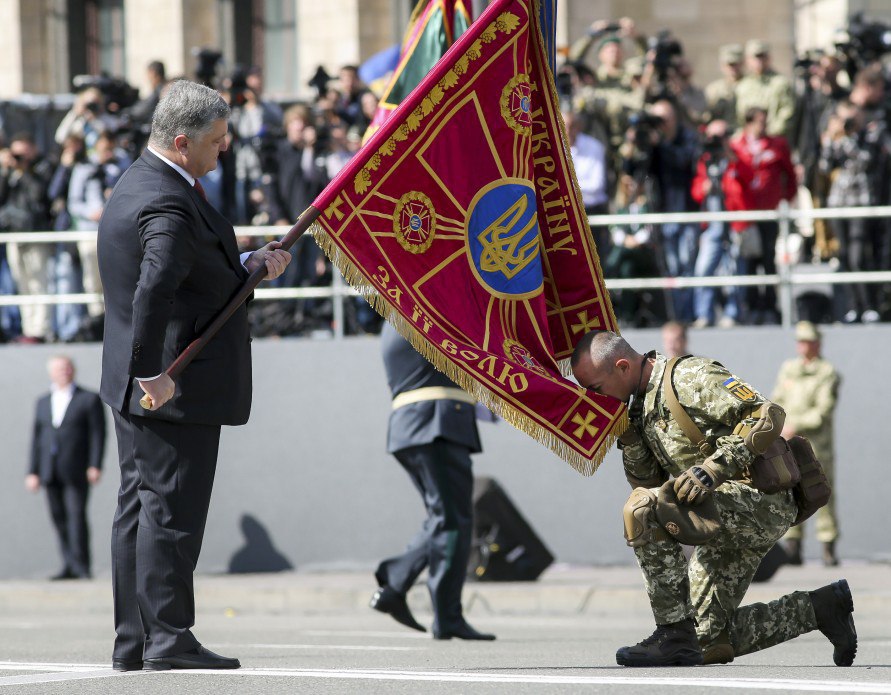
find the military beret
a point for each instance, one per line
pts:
(611, 38)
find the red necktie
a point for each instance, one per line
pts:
(200, 189)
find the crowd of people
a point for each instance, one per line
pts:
(644, 138)
(746, 141)
(278, 160)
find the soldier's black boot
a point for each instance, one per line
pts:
(674, 644)
(834, 608)
(793, 551)
(829, 558)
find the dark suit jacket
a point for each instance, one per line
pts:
(169, 262)
(63, 454)
(425, 421)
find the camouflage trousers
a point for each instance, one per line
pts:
(711, 586)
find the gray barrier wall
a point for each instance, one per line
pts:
(310, 466)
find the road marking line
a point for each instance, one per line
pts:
(366, 633)
(344, 647)
(63, 672)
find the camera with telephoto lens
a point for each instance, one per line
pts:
(646, 134)
(666, 50)
(865, 41)
(118, 93)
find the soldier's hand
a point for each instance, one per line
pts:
(692, 486)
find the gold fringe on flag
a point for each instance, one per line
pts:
(356, 279)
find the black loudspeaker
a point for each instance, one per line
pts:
(776, 557)
(505, 548)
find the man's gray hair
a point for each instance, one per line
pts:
(187, 108)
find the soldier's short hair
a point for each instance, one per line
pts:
(602, 347)
(187, 108)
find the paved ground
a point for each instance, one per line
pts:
(313, 633)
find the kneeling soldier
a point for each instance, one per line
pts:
(697, 604)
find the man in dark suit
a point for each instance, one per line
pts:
(169, 263)
(66, 458)
(432, 433)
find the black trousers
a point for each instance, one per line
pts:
(167, 472)
(442, 473)
(68, 509)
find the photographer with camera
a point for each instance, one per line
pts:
(856, 156)
(256, 125)
(87, 118)
(607, 103)
(767, 166)
(667, 74)
(765, 88)
(25, 207)
(720, 184)
(720, 95)
(662, 152)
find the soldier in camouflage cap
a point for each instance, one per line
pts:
(807, 388)
(697, 605)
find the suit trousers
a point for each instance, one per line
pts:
(68, 509)
(442, 473)
(167, 472)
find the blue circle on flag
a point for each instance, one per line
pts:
(503, 241)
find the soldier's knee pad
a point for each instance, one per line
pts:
(759, 436)
(638, 514)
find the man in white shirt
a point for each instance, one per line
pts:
(66, 459)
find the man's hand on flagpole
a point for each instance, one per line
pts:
(275, 258)
(157, 392)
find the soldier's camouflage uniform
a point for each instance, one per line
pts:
(710, 588)
(807, 391)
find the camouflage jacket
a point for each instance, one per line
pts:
(808, 392)
(715, 400)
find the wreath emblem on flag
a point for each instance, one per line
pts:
(414, 222)
(518, 353)
(516, 104)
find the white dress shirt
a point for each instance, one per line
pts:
(60, 399)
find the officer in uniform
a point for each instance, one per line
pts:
(807, 388)
(697, 605)
(432, 433)
(765, 88)
(720, 95)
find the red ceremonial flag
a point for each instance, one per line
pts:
(461, 222)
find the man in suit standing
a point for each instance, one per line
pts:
(66, 458)
(432, 433)
(169, 263)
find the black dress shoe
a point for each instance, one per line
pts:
(463, 631)
(196, 658)
(387, 600)
(64, 574)
(126, 664)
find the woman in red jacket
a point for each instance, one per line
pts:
(771, 179)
